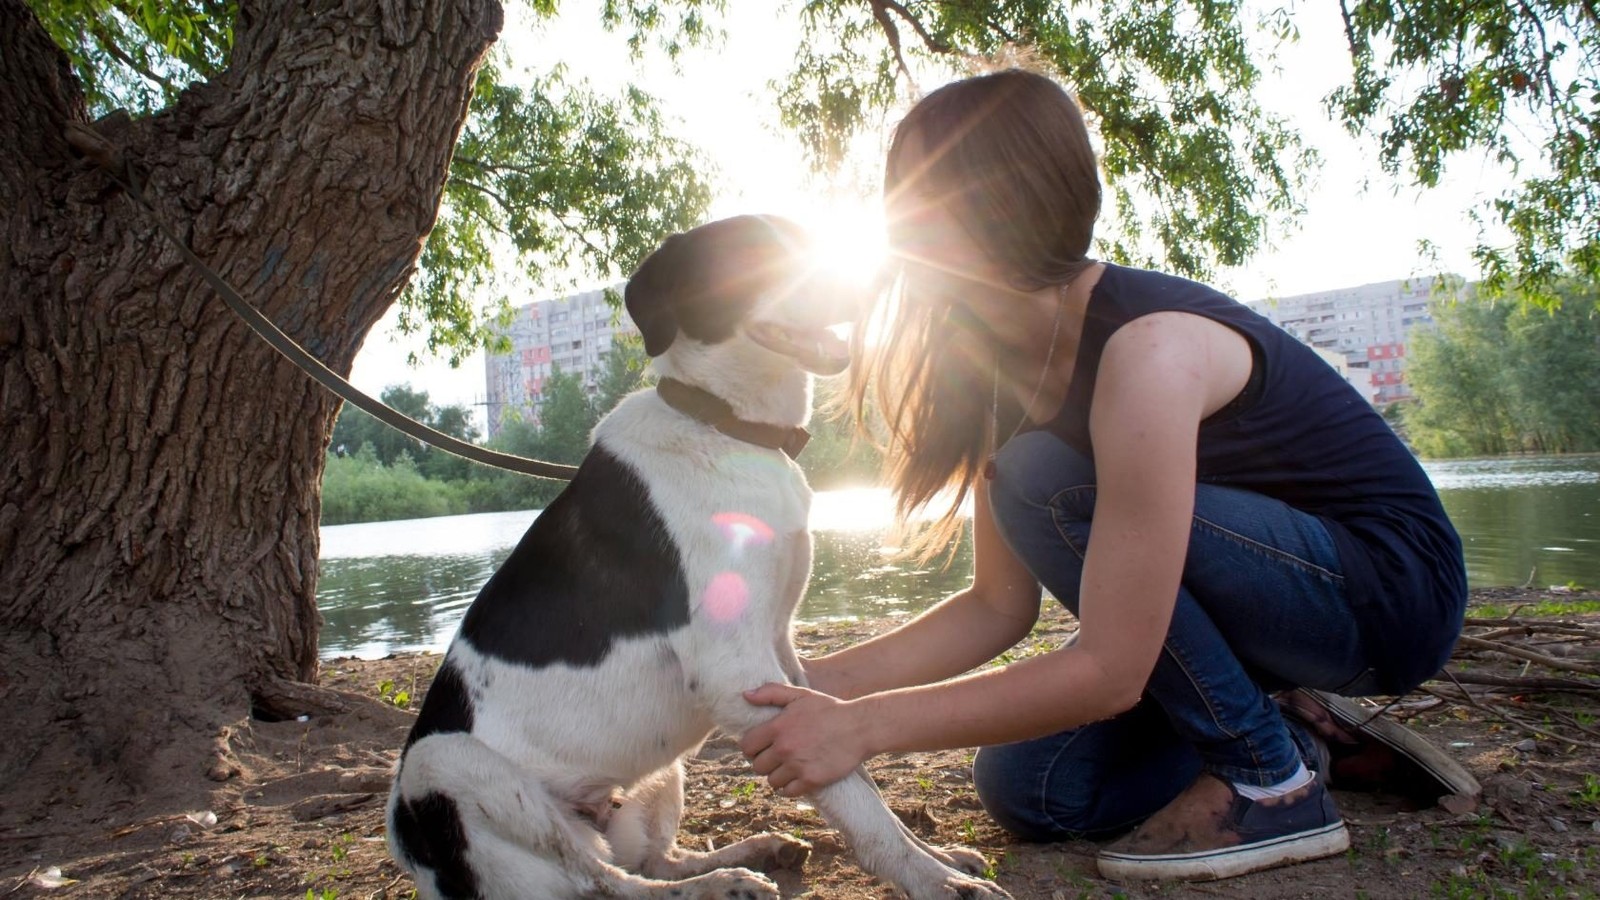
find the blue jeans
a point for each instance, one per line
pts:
(1261, 607)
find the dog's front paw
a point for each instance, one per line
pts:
(778, 851)
(735, 884)
(963, 860)
(960, 887)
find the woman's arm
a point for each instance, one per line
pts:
(1159, 376)
(964, 631)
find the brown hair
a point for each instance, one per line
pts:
(1008, 156)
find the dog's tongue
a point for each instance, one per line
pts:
(818, 350)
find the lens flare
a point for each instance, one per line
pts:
(742, 529)
(726, 598)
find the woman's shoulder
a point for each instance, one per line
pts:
(1132, 284)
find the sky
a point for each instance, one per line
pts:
(1360, 226)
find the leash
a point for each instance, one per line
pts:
(123, 172)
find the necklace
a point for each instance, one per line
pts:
(1044, 375)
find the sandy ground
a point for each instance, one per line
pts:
(302, 814)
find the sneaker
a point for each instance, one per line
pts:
(1369, 751)
(1211, 832)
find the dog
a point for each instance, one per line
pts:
(547, 758)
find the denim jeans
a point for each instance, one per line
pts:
(1261, 607)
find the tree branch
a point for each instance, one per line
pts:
(109, 44)
(1350, 33)
(881, 10)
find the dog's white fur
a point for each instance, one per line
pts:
(611, 738)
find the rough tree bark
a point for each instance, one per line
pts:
(159, 493)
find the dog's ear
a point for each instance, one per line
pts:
(651, 295)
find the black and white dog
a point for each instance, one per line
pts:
(547, 759)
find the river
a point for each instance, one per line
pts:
(391, 586)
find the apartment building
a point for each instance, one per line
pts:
(1367, 326)
(571, 334)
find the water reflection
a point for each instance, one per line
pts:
(405, 585)
(1525, 521)
(390, 586)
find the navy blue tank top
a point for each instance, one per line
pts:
(1300, 433)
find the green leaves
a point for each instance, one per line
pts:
(1516, 81)
(138, 54)
(1498, 377)
(1198, 173)
(561, 181)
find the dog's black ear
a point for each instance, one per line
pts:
(651, 295)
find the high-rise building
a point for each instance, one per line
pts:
(571, 334)
(1367, 325)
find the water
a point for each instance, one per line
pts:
(388, 586)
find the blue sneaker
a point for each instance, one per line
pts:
(1211, 832)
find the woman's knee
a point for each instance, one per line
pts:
(1021, 788)
(1032, 471)
(1009, 799)
(1042, 499)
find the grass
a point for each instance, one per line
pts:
(1550, 608)
(1588, 795)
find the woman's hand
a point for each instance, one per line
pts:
(815, 741)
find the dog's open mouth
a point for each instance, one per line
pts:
(817, 350)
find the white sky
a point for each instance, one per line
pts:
(1359, 227)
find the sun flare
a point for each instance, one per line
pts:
(850, 241)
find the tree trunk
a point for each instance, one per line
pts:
(160, 493)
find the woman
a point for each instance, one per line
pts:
(1256, 525)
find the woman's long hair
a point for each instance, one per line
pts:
(1007, 155)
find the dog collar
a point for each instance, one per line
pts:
(704, 406)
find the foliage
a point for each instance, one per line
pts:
(548, 174)
(1517, 80)
(355, 429)
(566, 417)
(1198, 172)
(360, 488)
(567, 180)
(625, 370)
(836, 456)
(1499, 377)
(139, 55)
(372, 481)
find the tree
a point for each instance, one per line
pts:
(1498, 377)
(354, 429)
(566, 417)
(159, 506)
(626, 369)
(1516, 80)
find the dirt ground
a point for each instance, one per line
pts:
(300, 814)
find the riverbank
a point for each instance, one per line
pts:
(299, 812)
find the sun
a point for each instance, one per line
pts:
(849, 239)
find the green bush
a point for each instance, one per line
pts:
(359, 488)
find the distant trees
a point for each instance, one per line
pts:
(376, 473)
(1505, 377)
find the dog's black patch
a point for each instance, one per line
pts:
(705, 281)
(429, 833)
(596, 566)
(447, 708)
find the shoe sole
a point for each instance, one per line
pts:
(1441, 768)
(1211, 865)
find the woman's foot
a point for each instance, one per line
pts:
(1368, 751)
(1211, 832)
